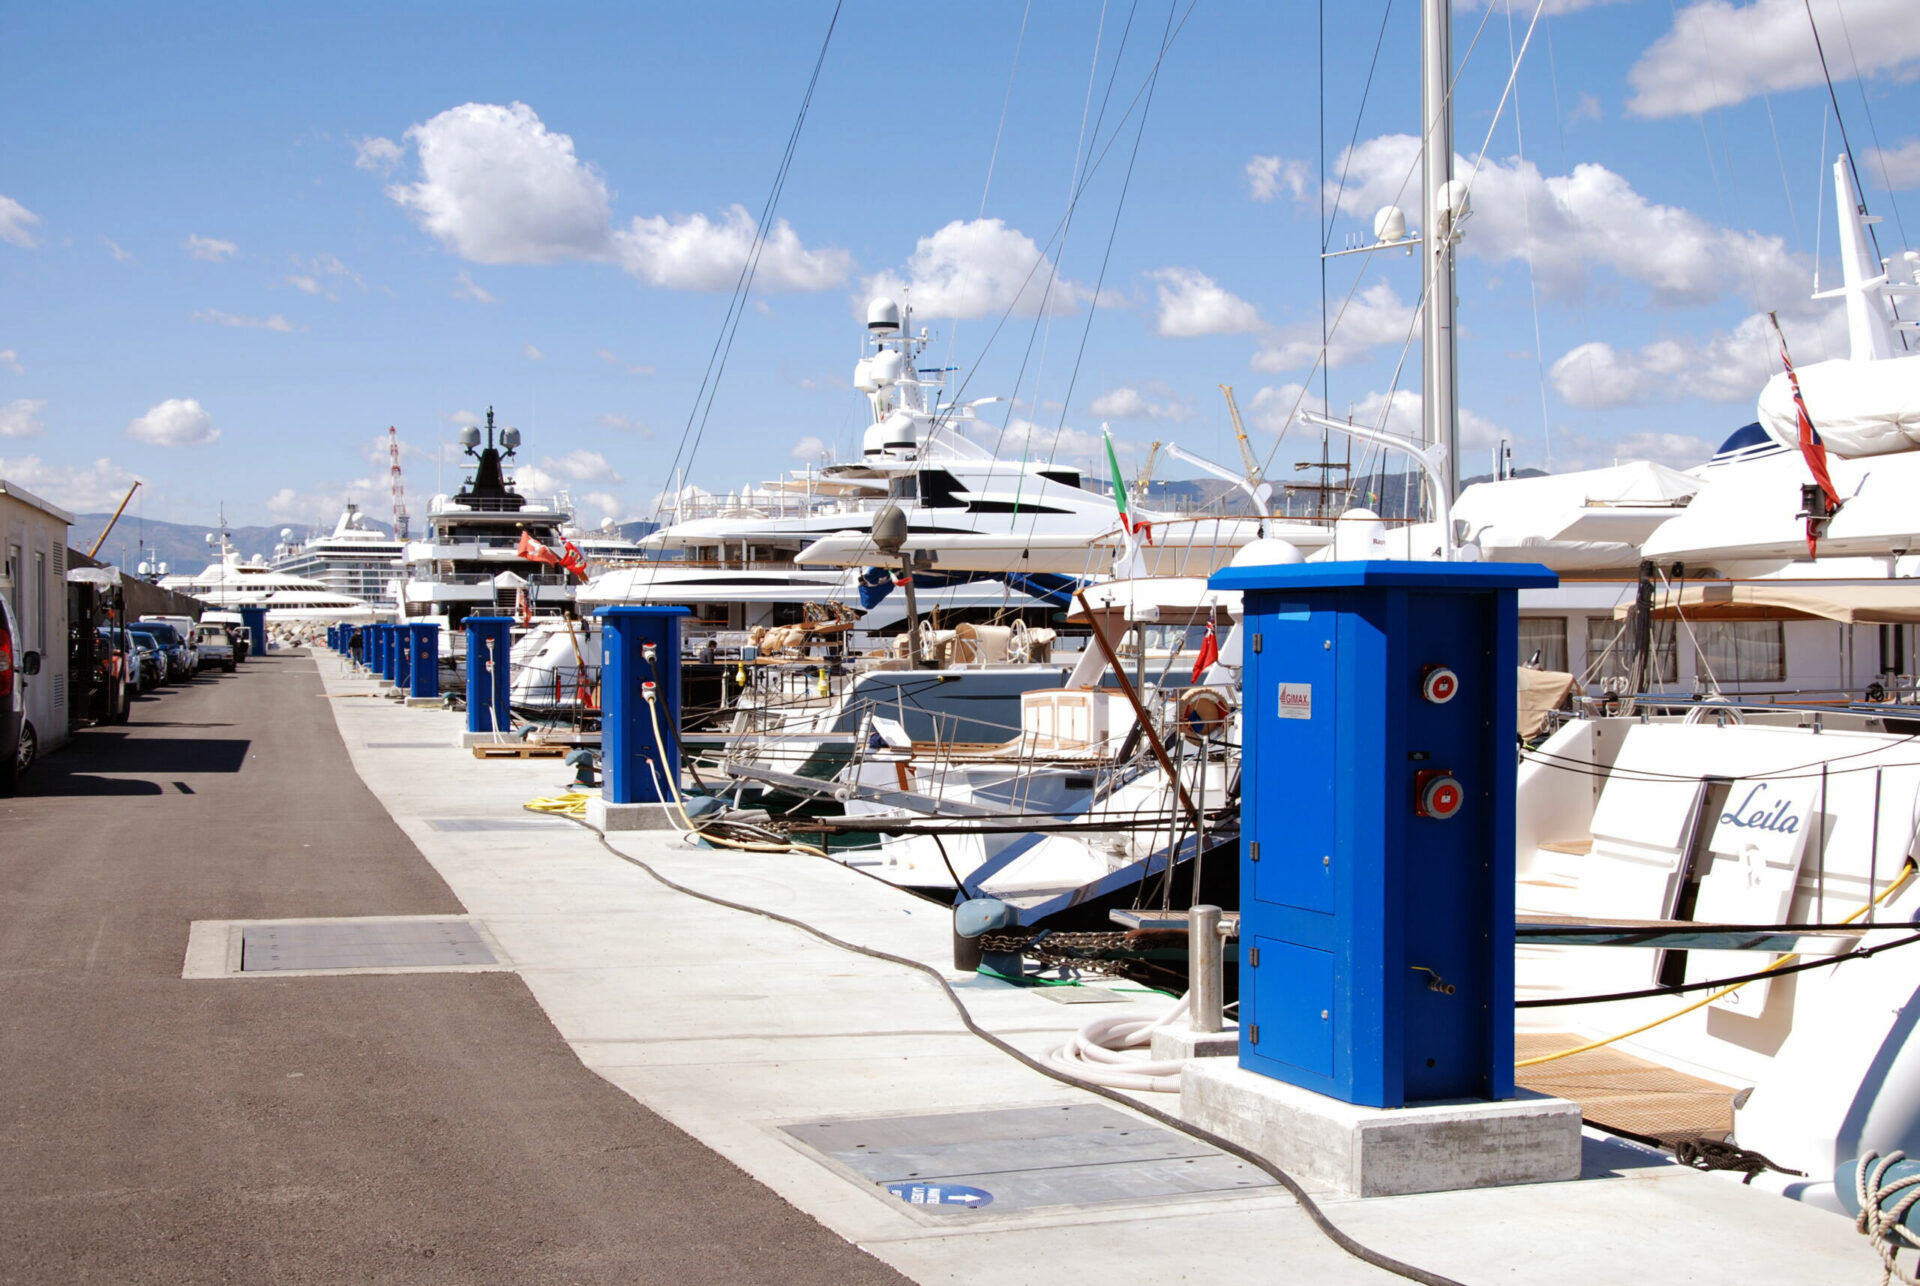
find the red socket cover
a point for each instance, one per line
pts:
(1438, 684)
(1438, 794)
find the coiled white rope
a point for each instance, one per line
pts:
(1890, 1236)
(1096, 1052)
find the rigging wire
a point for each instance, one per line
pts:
(1873, 130)
(1533, 285)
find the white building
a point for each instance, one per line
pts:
(33, 576)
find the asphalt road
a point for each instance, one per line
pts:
(423, 1127)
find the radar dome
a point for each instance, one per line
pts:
(1455, 201)
(883, 314)
(1265, 552)
(470, 437)
(1359, 536)
(510, 438)
(1389, 223)
(888, 367)
(898, 432)
(286, 533)
(863, 376)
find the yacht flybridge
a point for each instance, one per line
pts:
(471, 559)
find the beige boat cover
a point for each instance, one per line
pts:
(1541, 692)
(1891, 602)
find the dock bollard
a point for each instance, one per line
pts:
(1205, 969)
(389, 654)
(489, 673)
(377, 649)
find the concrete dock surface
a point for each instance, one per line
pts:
(632, 1099)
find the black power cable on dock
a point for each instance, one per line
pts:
(1360, 1251)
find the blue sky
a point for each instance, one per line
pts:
(237, 242)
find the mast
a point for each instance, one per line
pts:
(1438, 393)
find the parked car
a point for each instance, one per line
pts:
(213, 646)
(19, 743)
(182, 661)
(153, 659)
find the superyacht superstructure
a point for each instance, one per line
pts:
(356, 558)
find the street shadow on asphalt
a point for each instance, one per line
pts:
(92, 751)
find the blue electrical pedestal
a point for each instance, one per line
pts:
(640, 652)
(1377, 868)
(423, 643)
(389, 654)
(255, 619)
(402, 645)
(489, 677)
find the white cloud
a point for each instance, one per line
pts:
(692, 252)
(612, 358)
(307, 284)
(606, 502)
(1376, 316)
(322, 506)
(1726, 366)
(464, 287)
(10, 359)
(533, 353)
(1023, 437)
(1898, 167)
(497, 186)
(113, 248)
(976, 268)
(1549, 7)
(810, 448)
(82, 488)
(17, 224)
(537, 483)
(1718, 53)
(211, 249)
(1192, 303)
(582, 466)
(176, 422)
(1566, 226)
(1128, 403)
(1269, 176)
(624, 424)
(218, 318)
(380, 155)
(20, 418)
(1585, 108)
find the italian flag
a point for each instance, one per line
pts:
(1127, 522)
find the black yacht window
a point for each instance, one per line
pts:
(905, 487)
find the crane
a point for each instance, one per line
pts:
(1240, 438)
(1146, 471)
(399, 484)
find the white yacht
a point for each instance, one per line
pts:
(471, 558)
(356, 558)
(987, 534)
(230, 583)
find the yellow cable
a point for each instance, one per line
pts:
(673, 789)
(1890, 890)
(572, 804)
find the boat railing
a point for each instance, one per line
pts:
(543, 579)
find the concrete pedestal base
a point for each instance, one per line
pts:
(1181, 1042)
(629, 817)
(468, 740)
(1383, 1152)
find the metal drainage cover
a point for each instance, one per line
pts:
(1025, 1158)
(370, 944)
(492, 823)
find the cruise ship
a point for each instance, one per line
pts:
(356, 558)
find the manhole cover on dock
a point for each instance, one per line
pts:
(366, 944)
(1026, 1158)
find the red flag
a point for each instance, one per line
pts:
(1811, 447)
(533, 550)
(573, 560)
(1209, 650)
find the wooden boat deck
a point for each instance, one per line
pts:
(1619, 1091)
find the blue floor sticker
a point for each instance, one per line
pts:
(940, 1194)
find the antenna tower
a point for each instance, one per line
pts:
(399, 484)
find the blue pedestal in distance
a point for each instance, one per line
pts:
(633, 763)
(1377, 864)
(423, 642)
(489, 674)
(402, 656)
(389, 654)
(255, 619)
